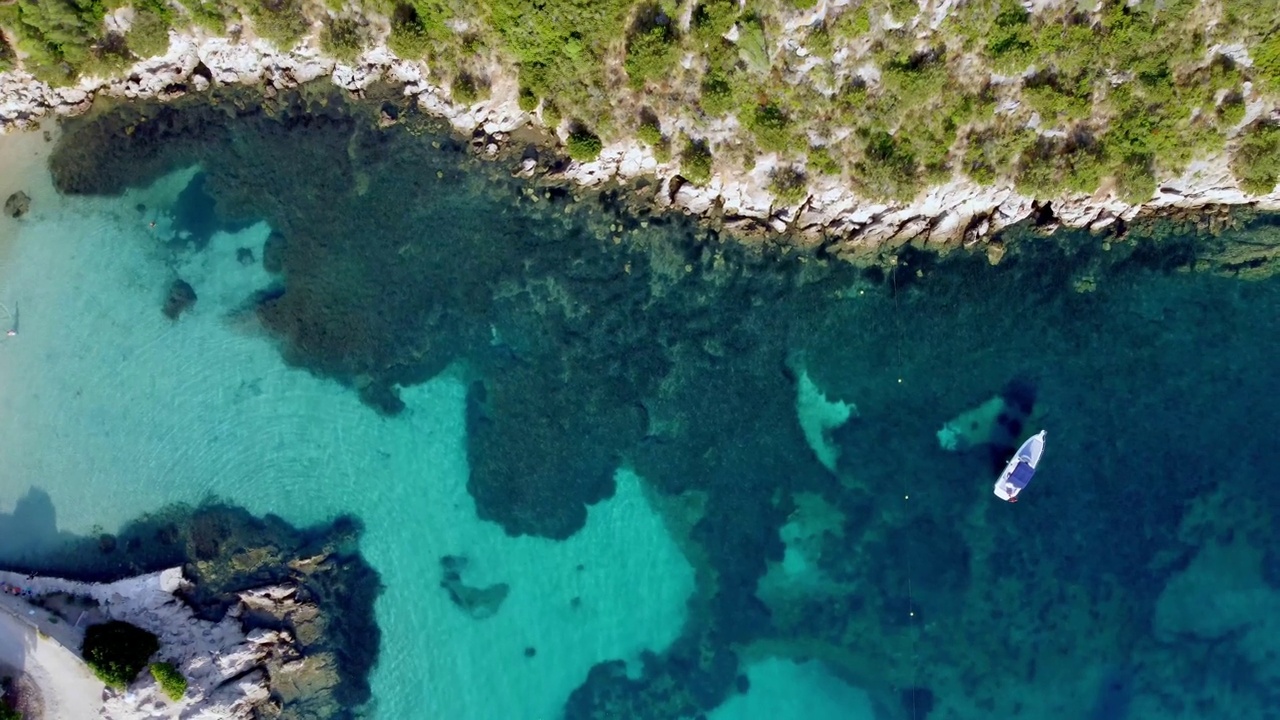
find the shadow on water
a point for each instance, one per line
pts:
(597, 335)
(30, 532)
(225, 550)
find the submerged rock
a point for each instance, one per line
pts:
(181, 296)
(478, 602)
(17, 205)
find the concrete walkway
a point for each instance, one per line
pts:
(34, 645)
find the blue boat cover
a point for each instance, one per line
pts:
(1021, 475)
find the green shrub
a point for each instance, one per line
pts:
(1011, 42)
(149, 35)
(770, 126)
(695, 162)
(60, 37)
(903, 10)
(280, 22)
(411, 36)
(1231, 111)
(584, 145)
(342, 38)
(650, 134)
(527, 101)
(1256, 160)
(651, 54)
(170, 679)
(466, 89)
(208, 14)
(853, 23)
(8, 713)
(1266, 59)
(6, 61)
(117, 651)
(789, 185)
(821, 161)
(718, 96)
(887, 169)
(551, 116)
(713, 18)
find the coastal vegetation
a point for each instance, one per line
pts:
(116, 651)
(874, 93)
(170, 679)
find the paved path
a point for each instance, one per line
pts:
(69, 690)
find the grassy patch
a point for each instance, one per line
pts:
(1256, 160)
(171, 681)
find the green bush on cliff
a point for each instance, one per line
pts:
(1256, 161)
(1266, 59)
(343, 38)
(651, 54)
(170, 679)
(149, 34)
(584, 145)
(770, 126)
(789, 185)
(60, 37)
(695, 162)
(8, 713)
(6, 60)
(280, 22)
(117, 651)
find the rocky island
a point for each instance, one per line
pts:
(852, 126)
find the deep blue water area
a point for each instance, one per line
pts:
(1135, 578)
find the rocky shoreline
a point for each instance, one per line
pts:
(235, 668)
(957, 214)
(287, 612)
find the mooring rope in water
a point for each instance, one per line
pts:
(911, 599)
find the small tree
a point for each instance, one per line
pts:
(117, 651)
(584, 145)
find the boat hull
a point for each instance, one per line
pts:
(1020, 468)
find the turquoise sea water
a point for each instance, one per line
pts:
(642, 438)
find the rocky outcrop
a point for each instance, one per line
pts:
(478, 602)
(957, 214)
(181, 297)
(17, 204)
(235, 668)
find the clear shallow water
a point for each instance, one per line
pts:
(137, 412)
(1086, 600)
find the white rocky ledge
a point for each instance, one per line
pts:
(955, 214)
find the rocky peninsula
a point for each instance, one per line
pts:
(750, 117)
(260, 619)
(231, 667)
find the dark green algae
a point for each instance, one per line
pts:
(597, 331)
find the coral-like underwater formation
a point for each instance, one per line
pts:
(784, 410)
